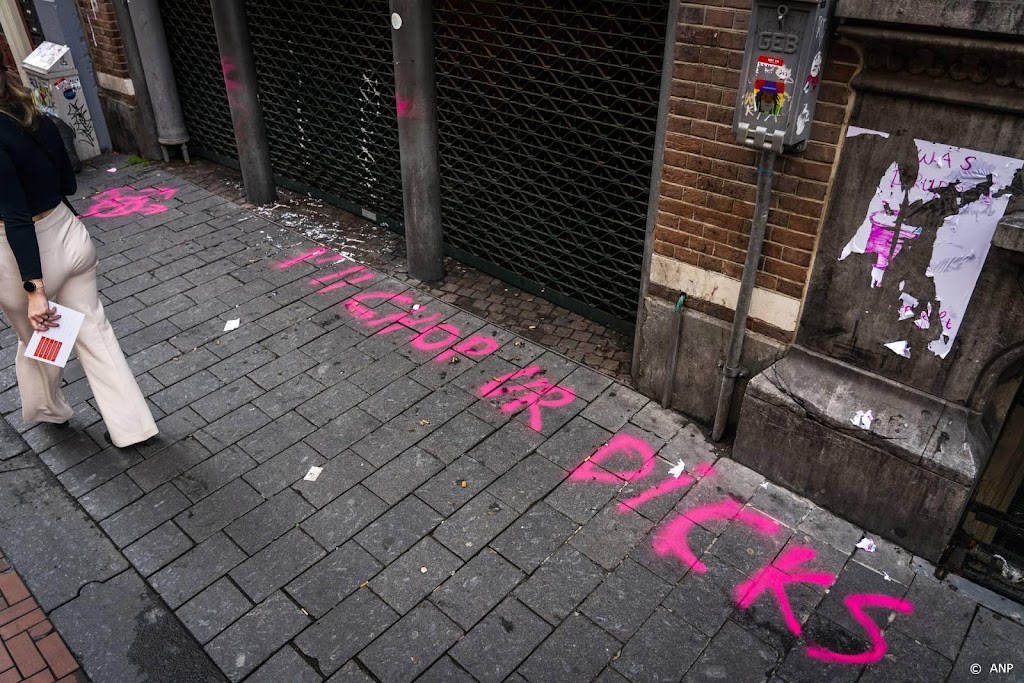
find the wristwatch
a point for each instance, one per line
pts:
(30, 286)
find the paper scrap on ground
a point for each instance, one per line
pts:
(867, 545)
(900, 348)
(111, 170)
(854, 131)
(863, 419)
(678, 469)
(232, 325)
(54, 346)
(313, 473)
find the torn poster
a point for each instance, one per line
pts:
(961, 243)
(863, 419)
(900, 348)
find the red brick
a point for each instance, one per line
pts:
(5, 659)
(15, 611)
(77, 677)
(793, 289)
(22, 624)
(43, 676)
(10, 676)
(40, 630)
(25, 655)
(57, 655)
(13, 588)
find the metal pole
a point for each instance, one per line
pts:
(149, 146)
(412, 41)
(731, 368)
(673, 353)
(239, 68)
(156, 61)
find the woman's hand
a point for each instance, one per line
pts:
(40, 314)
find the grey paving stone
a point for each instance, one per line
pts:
(456, 437)
(283, 470)
(71, 451)
(445, 670)
(611, 535)
(941, 616)
(182, 366)
(277, 564)
(167, 464)
(746, 548)
(799, 667)
(288, 315)
(610, 675)
(506, 447)
(342, 518)
(534, 537)
(854, 579)
(344, 631)
(476, 588)
(269, 521)
(587, 383)
(342, 432)
(382, 372)
(398, 529)
(231, 428)
(227, 344)
(286, 665)
(436, 374)
(668, 566)
(474, 525)
(445, 491)
(499, 643)
(283, 432)
(574, 443)
(281, 370)
(216, 511)
(383, 444)
(288, 396)
(720, 661)
(98, 469)
(560, 584)
(213, 610)
(824, 526)
(292, 337)
(782, 505)
(339, 474)
(211, 474)
(240, 363)
(411, 645)
(889, 559)
(333, 343)
(662, 650)
(252, 639)
(615, 407)
(336, 400)
(339, 367)
(144, 515)
(403, 475)
(527, 482)
(351, 673)
(145, 336)
(333, 578)
(160, 546)
(625, 600)
(653, 418)
(992, 639)
(577, 651)
(173, 428)
(394, 399)
(107, 499)
(908, 661)
(195, 570)
(403, 583)
(706, 600)
(441, 405)
(219, 403)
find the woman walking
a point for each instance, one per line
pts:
(46, 254)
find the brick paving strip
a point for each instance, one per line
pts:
(30, 650)
(485, 509)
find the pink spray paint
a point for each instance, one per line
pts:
(784, 570)
(354, 305)
(857, 604)
(675, 537)
(476, 345)
(316, 256)
(620, 444)
(123, 201)
(673, 483)
(422, 341)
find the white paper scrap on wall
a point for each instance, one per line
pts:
(863, 419)
(900, 348)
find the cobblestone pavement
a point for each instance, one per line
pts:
(362, 482)
(531, 317)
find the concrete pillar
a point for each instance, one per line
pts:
(14, 30)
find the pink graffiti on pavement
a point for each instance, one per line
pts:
(316, 257)
(857, 604)
(342, 276)
(673, 483)
(422, 341)
(623, 445)
(535, 395)
(125, 201)
(354, 304)
(476, 345)
(674, 538)
(784, 570)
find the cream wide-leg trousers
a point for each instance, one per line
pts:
(69, 269)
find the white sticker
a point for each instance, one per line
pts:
(396, 20)
(313, 473)
(900, 348)
(867, 545)
(232, 325)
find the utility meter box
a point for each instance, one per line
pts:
(57, 90)
(781, 75)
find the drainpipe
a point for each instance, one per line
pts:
(673, 353)
(731, 368)
(156, 61)
(147, 138)
(412, 42)
(239, 68)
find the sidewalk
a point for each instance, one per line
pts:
(362, 482)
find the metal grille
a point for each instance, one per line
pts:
(196, 60)
(547, 112)
(327, 87)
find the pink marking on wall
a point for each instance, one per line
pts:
(124, 201)
(674, 538)
(857, 604)
(784, 570)
(667, 486)
(880, 240)
(403, 107)
(623, 445)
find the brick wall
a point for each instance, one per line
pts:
(708, 188)
(104, 38)
(5, 53)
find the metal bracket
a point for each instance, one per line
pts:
(761, 137)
